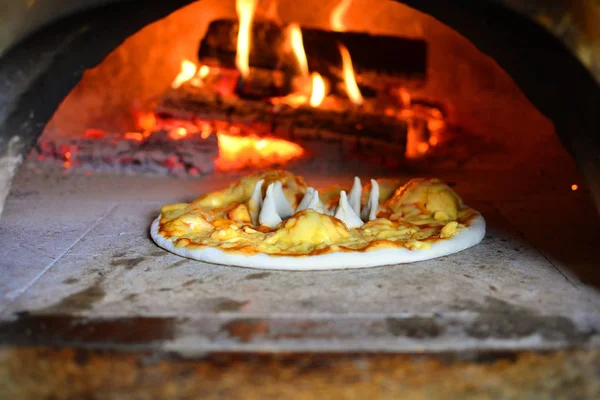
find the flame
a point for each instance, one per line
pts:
(188, 71)
(417, 144)
(245, 11)
(337, 15)
(318, 90)
(293, 100)
(405, 97)
(237, 152)
(349, 78)
(574, 187)
(422, 147)
(272, 14)
(298, 48)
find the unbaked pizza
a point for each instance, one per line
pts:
(274, 220)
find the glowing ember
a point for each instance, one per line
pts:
(293, 100)
(146, 121)
(203, 71)
(318, 90)
(67, 157)
(237, 152)
(337, 15)
(177, 133)
(137, 136)
(574, 187)
(205, 131)
(349, 77)
(94, 133)
(188, 70)
(245, 11)
(298, 47)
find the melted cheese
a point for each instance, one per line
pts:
(413, 216)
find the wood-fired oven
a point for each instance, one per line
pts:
(109, 109)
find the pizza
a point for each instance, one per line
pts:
(274, 220)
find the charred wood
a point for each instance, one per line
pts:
(379, 60)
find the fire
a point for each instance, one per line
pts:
(349, 77)
(94, 133)
(298, 48)
(405, 97)
(337, 15)
(136, 136)
(237, 152)
(178, 133)
(318, 90)
(574, 187)
(203, 71)
(188, 71)
(245, 11)
(146, 121)
(67, 163)
(417, 143)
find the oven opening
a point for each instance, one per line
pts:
(214, 88)
(329, 90)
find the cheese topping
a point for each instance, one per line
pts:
(276, 213)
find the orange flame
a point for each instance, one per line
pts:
(203, 71)
(416, 142)
(574, 187)
(349, 77)
(245, 11)
(237, 152)
(187, 72)
(336, 19)
(405, 97)
(318, 90)
(298, 47)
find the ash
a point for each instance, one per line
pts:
(156, 154)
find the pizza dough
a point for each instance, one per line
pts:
(274, 220)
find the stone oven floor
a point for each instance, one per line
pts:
(78, 268)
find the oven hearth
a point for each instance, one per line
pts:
(175, 101)
(93, 265)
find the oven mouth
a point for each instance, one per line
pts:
(417, 136)
(98, 166)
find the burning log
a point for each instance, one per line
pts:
(380, 60)
(352, 125)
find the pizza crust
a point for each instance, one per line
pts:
(463, 239)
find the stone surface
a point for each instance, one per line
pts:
(35, 234)
(96, 268)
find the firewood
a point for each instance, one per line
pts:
(379, 60)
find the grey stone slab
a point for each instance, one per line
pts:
(565, 228)
(34, 232)
(117, 271)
